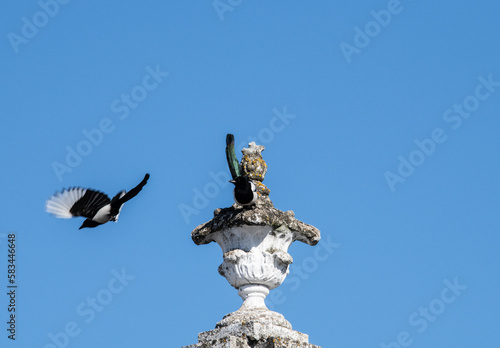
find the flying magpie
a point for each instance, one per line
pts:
(245, 191)
(92, 204)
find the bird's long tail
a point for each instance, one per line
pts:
(232, 161)
(132, 193)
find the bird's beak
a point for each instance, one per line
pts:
(232, 181)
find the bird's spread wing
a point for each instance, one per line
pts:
(89, 204)
(76, 201)
(232, 161)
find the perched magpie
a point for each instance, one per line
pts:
(245, 191)
(92, 204)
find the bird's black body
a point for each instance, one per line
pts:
(245, 191)
(92, 204)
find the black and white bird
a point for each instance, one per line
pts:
(245, 191)
(92, 204)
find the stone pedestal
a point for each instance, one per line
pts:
(252, 334)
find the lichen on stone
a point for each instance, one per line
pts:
(262, 213)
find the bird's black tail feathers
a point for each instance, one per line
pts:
(232, 161)
(132, 193)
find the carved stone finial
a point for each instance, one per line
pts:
(254, 240)
(252, 162)
(255, 167)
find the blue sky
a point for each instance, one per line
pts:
(380, 121)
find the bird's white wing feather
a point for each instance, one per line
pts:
(61, 203)
(102, 215)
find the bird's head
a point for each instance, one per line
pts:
(89, 223)
(240, 181)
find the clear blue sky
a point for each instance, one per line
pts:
(380, 121)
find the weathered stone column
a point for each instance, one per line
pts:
(254, 241)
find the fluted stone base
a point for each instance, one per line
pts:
(253, 329)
